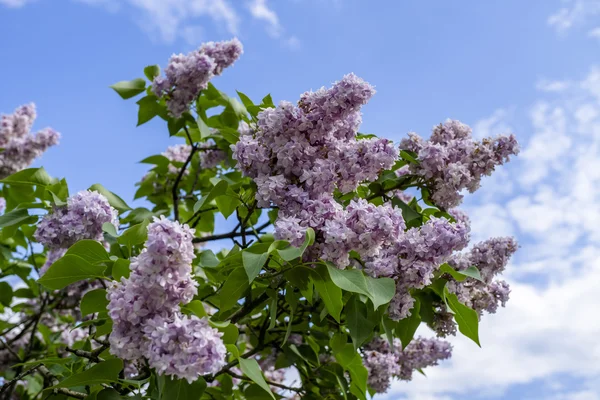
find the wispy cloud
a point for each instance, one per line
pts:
(169, 20)
(573, 13)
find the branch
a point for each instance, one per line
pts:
(270, 383)
(229, 235)
(175, 191)
(247, 308)
(90, 355)
(20, 376)
(70, 393)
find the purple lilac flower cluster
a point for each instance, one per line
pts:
(2, 204)
(81, 218)
(145, 308)
(490, 257)
(452, 161)
(187, 75)
(20, 146)
(384, 362)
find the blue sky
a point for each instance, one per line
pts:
(531, 67)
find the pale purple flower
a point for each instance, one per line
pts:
(81, 218)
(20, 147)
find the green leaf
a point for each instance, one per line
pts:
(227, 204)
(57, 200)
(6, 294)
(14, 217)
(388, 327)
(157, 159)
(120, 269)
(205, 130)
(108, 394)
(30, 176)
(378, 290)
(90, 250)
(149, 108)
(471, 272)
(94, 301)
(180, 389)
(408, 157)
(112, 198)
(381, 290)
(406, 328)
(218, 190)
(466, 318)
(253, 263)
(234, 288)
(245, 99)
(151, 72)
(357, 321)
(137, 234)
(129, 89)
(109, 228)
(251, 369)
(407, 212)
(197, 308)
(329, 291)
(106, 371)
(268, 101)
(69, 269)
(291, 253)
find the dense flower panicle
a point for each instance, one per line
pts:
(187, 75)
(145, 311)
(452, 161)
(20, 146)
(185, 347)
(492, 256)
(211, 157)
(381, 367)
(384, 362)
(421, 353)
(81, 218)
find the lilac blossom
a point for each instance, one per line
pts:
(187, 75)
(145, 308)
(452, 161)
(182, 346)
(81, 218)
(20, 147)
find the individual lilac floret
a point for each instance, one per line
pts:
(184, 347)
(187, 75)
(452, 161)
(81, 218)
(20, 147)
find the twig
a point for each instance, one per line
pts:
(17, 378)
(175, 191)
(270, 383)
(90, 355)
(229, 235)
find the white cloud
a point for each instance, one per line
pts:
(595, 33)
(169, 20)
(495, 124)
(575, 12)
(552, 86)
(548, 329)
(261, 11)
(15, 3)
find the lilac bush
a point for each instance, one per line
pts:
(342, 245)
